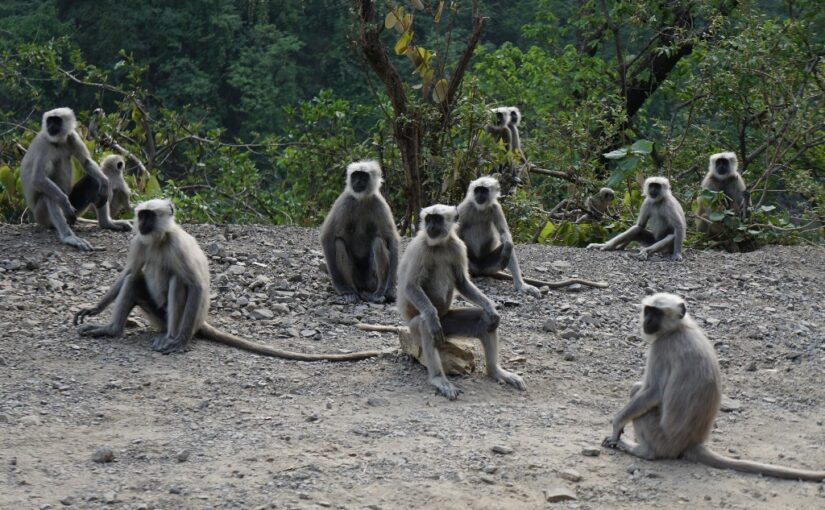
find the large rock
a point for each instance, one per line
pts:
(457, 356)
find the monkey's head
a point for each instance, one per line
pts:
(661, 314)
(113, 165)
(154, 217)
(438, 222)
(655, 188)
(606, 195)
(502, 114)
(58, 123)
(723, 165)
(363, 178)
(483, 191)
(515, 115)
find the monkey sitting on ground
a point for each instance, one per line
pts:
(167, 275)
(433, 267)
(674, 407)
(596, 205)
(483, 228)
(46, 174)
(723, 175)
(120, 193)
(359, 238)
(667, 223)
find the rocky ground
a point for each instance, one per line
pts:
(91, 423)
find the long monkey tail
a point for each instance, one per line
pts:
(378, 327)
(553, 285)
(703, 455)
(212, 333)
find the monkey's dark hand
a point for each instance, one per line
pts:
(102, 191)
(69, 212)
(506, 253)
(433, 325)
(611, 442)
(80, 316)
(493, 319)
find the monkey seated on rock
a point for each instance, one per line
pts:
(432, 268)
(674, 407)
(46, 175)
(664, 217)
(483, 228)
(359, 238)
(167, 276)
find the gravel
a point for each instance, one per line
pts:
(221, 428)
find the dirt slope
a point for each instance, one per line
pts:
(220, 428)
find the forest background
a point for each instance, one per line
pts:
(248, 111)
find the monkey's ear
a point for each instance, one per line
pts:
(682, 310)
(172, 208)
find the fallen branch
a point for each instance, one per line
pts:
(553, 285)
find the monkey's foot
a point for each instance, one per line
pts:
(80, 316)
(389, 296)
(643, 255)
(376, 298)
(530, 290)
(445, 387)
(350, 298)
(167, 344)
(514, 380)
(118, 226)
(95, 330)
(78, 243)
(596, 246)
(677, 257)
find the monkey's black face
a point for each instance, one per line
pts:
(513, 118)
(54, 125)
(146, 221)
(652, 320)
(500, 118)
(722, 166)
(654, 190)
(481, 195)
(359, 181)
(436, 226)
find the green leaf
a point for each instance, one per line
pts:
(439, 11)
(403, 42)
(546, 231)
(617, 154)
(642, 147)
(716, 216)
(7, 177)
(153, 186)
(417, 4)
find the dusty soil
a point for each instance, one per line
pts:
(221, 428)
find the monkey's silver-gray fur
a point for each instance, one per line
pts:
(432, 268)
(359, 238)
(723, 175)
(665, 218)
(674, 407)
(483, 228)
(596, 205)
(120, 193)
(46, 175)
(167, 275)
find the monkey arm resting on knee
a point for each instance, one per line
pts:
(428, 312)
(641, 403)
(468, 289)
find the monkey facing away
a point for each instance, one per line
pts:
(46, 174)
(359, 238)
(665, 218)
(723, 175)
(167, 275)
(483, 228)
(433, 267)
(674, 407)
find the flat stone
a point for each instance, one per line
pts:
(557, 494)
(589, 451)
(502, 450)
(261, 314)
(728, 404)
(103, 455)
(570, 474)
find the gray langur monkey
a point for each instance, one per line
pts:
(512, 125)
(596, 205)
(433, 267)
(666, 220)
(359, 238)
(167, 276)
(500, 131)
(46, 175)
(674, 407)
(723, 175)
(120, 193)
(483, 228)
